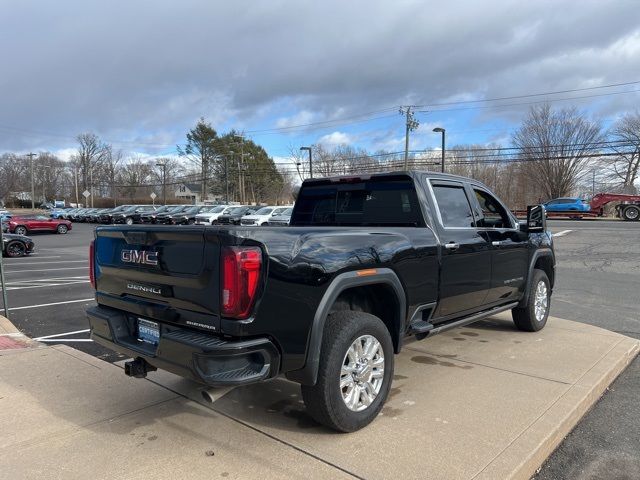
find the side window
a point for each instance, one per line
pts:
(453, 205)
(493, 214)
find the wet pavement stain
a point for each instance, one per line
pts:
(459, 339)
(393, 392)
(434, 361)
(290, 409)
(391, 412)
(483, 341)
(399, 377)
(470, 334)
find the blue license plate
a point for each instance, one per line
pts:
(148, 331)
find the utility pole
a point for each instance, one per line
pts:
(164, 181)
(410, 125)
(593, 182)
(76, 178)
(241, 169)
(308, 149)
(91, 184)
(33, 190)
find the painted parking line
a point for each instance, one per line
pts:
(51, 279)
(48, 270)
(80, 340)
(11, 309)
(31, 256)
(45, 337)
(49, 263)
(562, 233)
(46, 285)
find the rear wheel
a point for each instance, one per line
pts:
(533, 316)
(62, 229)
(15, 249)
(355, 372)
(20, 230)
(631, 213)
(129, 221)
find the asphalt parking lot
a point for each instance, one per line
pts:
(598, 280)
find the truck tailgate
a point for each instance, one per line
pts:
(160, 273)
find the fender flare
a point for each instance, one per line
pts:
(308, 374)
(543, 252)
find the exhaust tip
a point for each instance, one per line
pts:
(208, 396)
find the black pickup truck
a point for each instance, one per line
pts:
(327, 301)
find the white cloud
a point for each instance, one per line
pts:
(335, 139)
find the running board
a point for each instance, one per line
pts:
(467, 320)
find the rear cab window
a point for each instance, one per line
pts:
(452, 205)
(378, 201)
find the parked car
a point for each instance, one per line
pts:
(66, 214)
(38, 223)
(234, 215)
(132, 214)
(404, 253)
(567, 205)
(210, 217)
(150, 217)
(188, 216)
(261, 216)
(58, 212)
(281, 219)
(94, 216)
(16, 245)
(107, 217)
(165, 218)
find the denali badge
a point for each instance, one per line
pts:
(139, 256)
(143, 288)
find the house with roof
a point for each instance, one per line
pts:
(191, 192)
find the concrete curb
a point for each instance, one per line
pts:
(13, 339)
(525, 455)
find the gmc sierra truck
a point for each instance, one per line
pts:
(328, 300)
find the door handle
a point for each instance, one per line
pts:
(496, 244)
(452, 246)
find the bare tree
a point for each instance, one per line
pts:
(91, 154)
(134, 176)
(625, 136)
(10, 171)
(555, 146)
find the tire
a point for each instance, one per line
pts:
(128, 221)
(20, 230)
(62, 229)
(324, 400)
(631, 213)
(15, 249)
(525, 318)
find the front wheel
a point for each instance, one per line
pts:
(533, 316)
(20, 230)
(355, 372)
(129, 221)
(62, 229)
(15, 249)
(631, 213)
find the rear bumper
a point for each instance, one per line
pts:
(207, 359)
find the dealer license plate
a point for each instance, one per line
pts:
(148, 331)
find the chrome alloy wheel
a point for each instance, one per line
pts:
(541, 301)
(362, 373)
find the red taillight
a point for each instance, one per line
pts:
(240, 278)
(92, 259)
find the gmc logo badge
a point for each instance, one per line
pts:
(139, 256)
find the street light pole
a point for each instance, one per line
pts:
(310, 160)
(442, 131)
(164, 181)
(33, 189)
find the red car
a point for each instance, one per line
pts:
(38, 223)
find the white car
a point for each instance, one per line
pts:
(211, 216)
(262, 216)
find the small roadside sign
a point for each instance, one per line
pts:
(86, 194)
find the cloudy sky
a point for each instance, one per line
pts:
(139, 73)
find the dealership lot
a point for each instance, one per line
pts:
(598, 280)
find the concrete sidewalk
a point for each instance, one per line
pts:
(482, 402)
